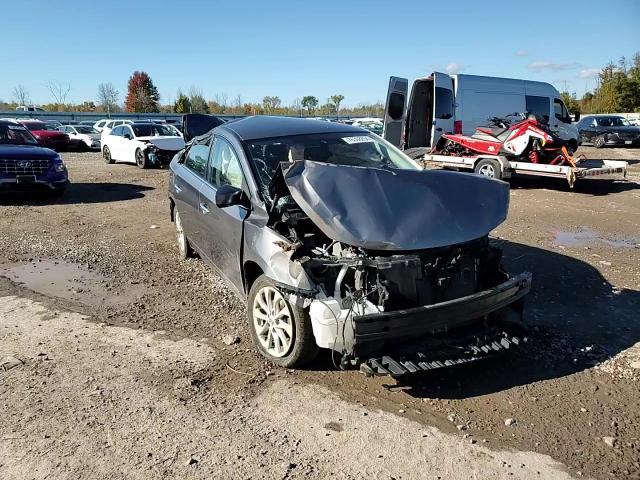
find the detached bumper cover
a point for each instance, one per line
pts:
(466, 324)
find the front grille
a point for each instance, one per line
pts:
(23, 167)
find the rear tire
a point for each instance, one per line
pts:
(286, 326)
(106, 154)
(184, 248)
(489, 168)
(141, 159)
(599, 141)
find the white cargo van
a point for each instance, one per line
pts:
(444, 103)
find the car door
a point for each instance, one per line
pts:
(443, 106)
(187, 182)
(223, 226)
(129, 144)
(395, 111)
(587, 129)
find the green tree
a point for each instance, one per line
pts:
(270, 104)
(309, 102)
(198, 102)
(336, 100)
(142, 94)
(182, 104)
(570, 101)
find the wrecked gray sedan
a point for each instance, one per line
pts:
(335, 239)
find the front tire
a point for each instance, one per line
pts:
(599, 141)
(106, 154)
(141, 159)
(280, 331)
(489, 168)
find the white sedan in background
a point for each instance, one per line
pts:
(145, 144)
(82, 136)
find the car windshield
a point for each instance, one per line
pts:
(354, 149)
(34, 126)
(16, 135)
(612, 122)
(85, 129)
(151, 130)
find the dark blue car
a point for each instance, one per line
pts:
(27, 166)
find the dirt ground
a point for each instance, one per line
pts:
(121, 370)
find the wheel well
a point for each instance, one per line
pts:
(251, 272)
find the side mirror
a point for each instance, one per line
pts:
(577, 117)
(127, 136)
(227, 196)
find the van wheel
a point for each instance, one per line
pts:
(280, 331)
(141, 159)
(489, 168)
(599, 141)
(106, 154)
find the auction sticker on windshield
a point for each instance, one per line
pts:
(359, 139)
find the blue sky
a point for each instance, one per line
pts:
(296, 48)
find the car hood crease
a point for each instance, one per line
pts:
(396, 209)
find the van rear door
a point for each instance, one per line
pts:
(395, 111)
(443, 118)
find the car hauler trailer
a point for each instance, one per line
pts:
(499, 167)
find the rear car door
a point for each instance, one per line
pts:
(443, 109)
(223, 226)
(187, 182)
(395, 111)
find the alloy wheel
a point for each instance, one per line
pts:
(487, 170)
(273, 322)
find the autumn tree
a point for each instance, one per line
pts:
(142, 94)
(309, 102)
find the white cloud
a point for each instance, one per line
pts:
(522, 53)
(454, 68)
(542, 65)
(589, 72)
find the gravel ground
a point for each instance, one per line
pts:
(106, 250)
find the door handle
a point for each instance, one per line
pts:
(438, 129)
(204, 208)
(177, 188)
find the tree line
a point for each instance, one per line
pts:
(617, 90)
(142, 97)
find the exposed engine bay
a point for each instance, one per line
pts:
(367, 300)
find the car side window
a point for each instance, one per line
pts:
(196, 160)
(560, 111)
(538, 105)
(117, 132)
(126, 129)
(224, 166)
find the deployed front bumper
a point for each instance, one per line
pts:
(464, 325)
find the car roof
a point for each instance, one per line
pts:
(263, 126)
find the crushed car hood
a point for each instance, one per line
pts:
(164, 143)
(397, 209)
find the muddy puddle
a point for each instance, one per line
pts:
(586, 237)
(71, 282)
